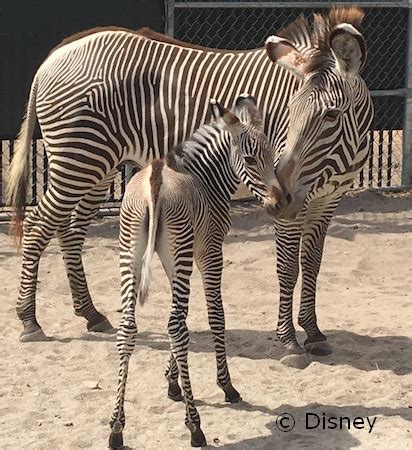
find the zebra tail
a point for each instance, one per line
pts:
(154, 209)
(18, 174)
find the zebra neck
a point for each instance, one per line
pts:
(207, 157)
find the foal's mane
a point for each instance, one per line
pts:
(312, 37)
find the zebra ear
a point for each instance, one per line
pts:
(349, 47)
(284, 53)
(246, 102)
(225, 119)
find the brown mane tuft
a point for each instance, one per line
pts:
(312, 39)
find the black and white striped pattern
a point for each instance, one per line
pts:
(325, 148)
(180, 208)
(113, 96)
(107, 98)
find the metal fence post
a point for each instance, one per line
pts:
(407, 128)
(170, 17)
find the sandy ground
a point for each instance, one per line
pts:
(47, 399)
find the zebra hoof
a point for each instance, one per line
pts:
(33, 333)
(318, 348)
(116, 440)
(231, 394)
(174, 392)
(102, 327)
(198, 439)
(296, 361)
(293, 348)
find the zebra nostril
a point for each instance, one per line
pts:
(289, 198)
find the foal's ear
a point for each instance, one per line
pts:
(283, 52)
(225, 119)
(349, 47)
(246, 103)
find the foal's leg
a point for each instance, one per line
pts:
(179, 343)
(172, 375)
(210, 264)
(40, 226)
(163, 248)
(133, 239)
(71, 236)
(176, 252)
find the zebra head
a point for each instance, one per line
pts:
(251, 154)
(329, 108)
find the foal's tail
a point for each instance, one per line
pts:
(154, 209)
(18, 175)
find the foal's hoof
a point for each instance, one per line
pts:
(198, 439)
(231, 394)
(116, 440)
(174, 392)
(101, 327)
(33, 333)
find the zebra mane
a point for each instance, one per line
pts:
(311, 38)
(200, 142)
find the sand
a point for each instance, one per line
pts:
(60, 394)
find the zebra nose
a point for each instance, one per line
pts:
(280, 200)
(273, 210)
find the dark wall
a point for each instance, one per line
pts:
(29, 29)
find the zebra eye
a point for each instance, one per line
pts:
(332, 114)
(250, 160)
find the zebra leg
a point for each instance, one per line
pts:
(126, 337)
(71, 236)
(39, 228)
(210, 264)
(172, 375)
(175, 248)
(133, 239)
(167, 257)
(311, 256)
(288, 237)
(179, 344)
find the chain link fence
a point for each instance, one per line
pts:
(244, 25)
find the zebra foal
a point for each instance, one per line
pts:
(180, 208)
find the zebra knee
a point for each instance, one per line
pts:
(126, 337)
(177, 326)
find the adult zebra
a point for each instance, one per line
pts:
(107, 96)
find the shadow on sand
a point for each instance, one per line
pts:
(312, 438)
(359, 351)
